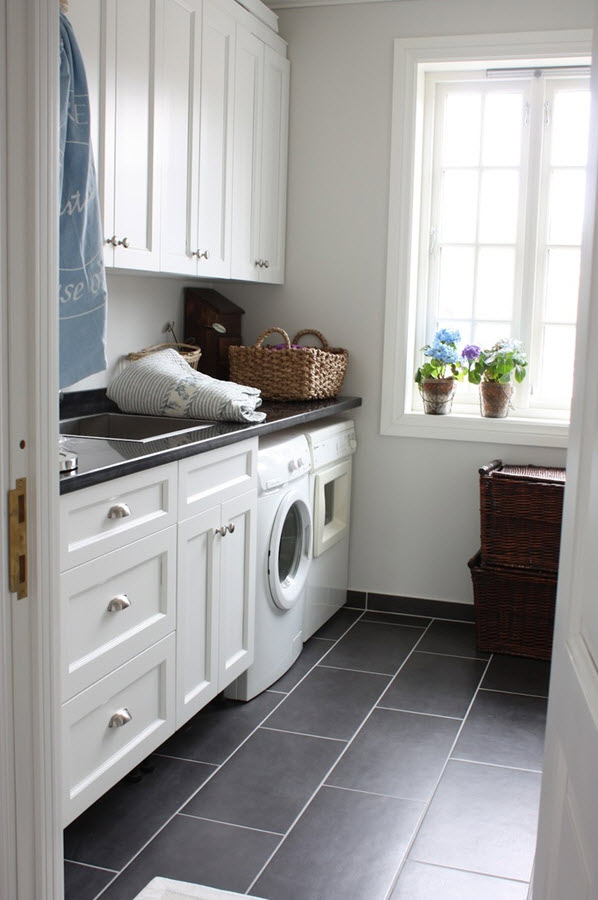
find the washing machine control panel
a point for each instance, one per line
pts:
(331, 448)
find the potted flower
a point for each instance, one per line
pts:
(437, 376)
(494, 370)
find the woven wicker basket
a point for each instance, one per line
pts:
(521, 508)
(308, 373)
(514, 609)
(190, 353)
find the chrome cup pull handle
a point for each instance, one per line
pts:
(118, 603)
(230, 527)
(119, 511)
(120, 718)
(221, 531)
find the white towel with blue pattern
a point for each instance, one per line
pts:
(163, 384)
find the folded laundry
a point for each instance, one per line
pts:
(163, 384)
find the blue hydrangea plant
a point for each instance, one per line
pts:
(443, 358)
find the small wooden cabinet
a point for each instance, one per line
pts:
(157, 608)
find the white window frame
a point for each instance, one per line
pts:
(413, 57)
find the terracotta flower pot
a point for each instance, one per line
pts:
(437, 394)
(495, 399)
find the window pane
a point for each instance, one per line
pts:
(486, 334)
(503, 116)
(455, 292)
(565, 206)
(495, 283)
(498, 207)
(562, 285)
(461, 137)
(458, 207)
(570, 123)
(555, 375)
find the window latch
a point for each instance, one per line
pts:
(433, 241)
(546, 113)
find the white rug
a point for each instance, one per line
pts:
(166, 889)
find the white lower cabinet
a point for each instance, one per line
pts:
(157, 608)
(114, 724)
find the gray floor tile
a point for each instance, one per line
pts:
(338, 624)
(454, 638)
(430, 683)
(268, 781)
(313, 651)
(396, 619)
(117, 825)
(419, 881)
(346, 845)
(215, 732)
(83, 882)
(329, 703)
(374, 647)
(504, 729)
(395, 753)
(518, 675)
(483, 819)
(416, 606)
(220, 856)
(356, 599)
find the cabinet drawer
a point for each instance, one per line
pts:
(115, 607)
(216, 476)
(96, 755)
(108, 516)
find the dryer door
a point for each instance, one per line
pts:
(289, 553)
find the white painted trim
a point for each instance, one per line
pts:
(32, 398)
(413, 56)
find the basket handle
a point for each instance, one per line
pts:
(138, 354)
(318, 334)
(274, 330)
(491, 467)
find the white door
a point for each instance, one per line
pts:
(566, 859)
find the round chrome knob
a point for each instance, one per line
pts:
(119, 511)
(221, 531)
(120, 718)
(113, 240)
(124, 243)
(201, 254)
(118, 603)
(259, 262)
(266, 263)
(231, 527)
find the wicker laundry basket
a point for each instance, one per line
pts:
(190, 353)
(304, 373)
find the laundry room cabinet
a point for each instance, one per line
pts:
(123, 59)
(191, 155)
(216, 583)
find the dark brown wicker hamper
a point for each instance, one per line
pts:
(514, 610)
(521, 509)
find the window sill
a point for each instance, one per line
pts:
(463, 427)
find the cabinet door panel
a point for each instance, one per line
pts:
(273, 191)
(138, 26)
(197, 613)
(215, 147)
(181, 97)
(237, 587)
(249, 65)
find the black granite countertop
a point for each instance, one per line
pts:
(102, 460)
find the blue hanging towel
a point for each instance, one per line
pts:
(82, 296)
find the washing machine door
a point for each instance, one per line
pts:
(289, 553)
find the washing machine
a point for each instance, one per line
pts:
(331, 449)
(284, 549)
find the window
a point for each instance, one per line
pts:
(494, 166)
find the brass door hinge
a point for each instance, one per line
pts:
(17, 538)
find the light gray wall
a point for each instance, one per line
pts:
(415, 502)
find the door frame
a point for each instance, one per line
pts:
(30, 798)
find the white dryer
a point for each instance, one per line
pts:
(284, 542)
(331, 450)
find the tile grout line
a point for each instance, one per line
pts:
(231, 824)
(319, 737)
(332, 767)
(453, 655)
(433, 793)
(479, 762)
(75, 862)
(360, 671)
(471, 871)
(415, 712)
(209, 778)
(197, 762)
(514, 693)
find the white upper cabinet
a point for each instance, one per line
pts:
(132, 124)
(260, 160)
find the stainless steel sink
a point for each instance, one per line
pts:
(124, 427)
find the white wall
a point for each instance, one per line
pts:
(415, 512)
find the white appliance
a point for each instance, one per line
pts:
(284, 541)
(331, 450)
